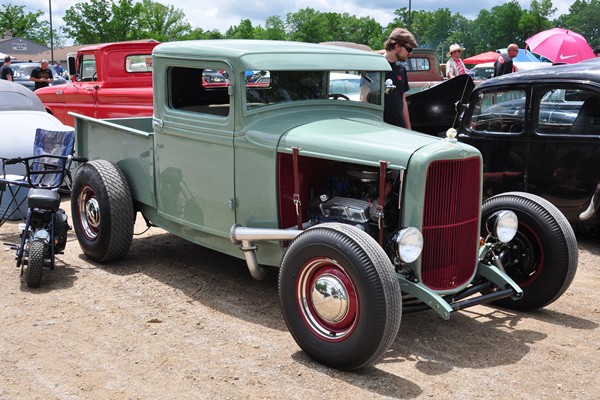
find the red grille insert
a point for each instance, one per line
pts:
(451, 223)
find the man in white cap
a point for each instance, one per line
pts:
(455, 65)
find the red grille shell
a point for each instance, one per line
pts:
(451, 223)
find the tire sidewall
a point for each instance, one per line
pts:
(100, 247)
(364, 339)
(539, 224)
(35, 264)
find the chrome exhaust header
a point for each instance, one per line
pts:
(244, 237)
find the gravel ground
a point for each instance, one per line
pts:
(177, 321)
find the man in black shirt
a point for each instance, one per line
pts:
(42, 76)
(6, 71)
(398, 46)
(504, 63)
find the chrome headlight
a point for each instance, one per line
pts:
(503, 225)
(409, 244)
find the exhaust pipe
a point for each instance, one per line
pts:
(594, 203)
(244, 237)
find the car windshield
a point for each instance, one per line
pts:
(275, 87)
(24, 71)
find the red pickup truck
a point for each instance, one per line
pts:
(108, 80)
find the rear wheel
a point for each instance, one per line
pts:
(340, 296)
(542, 258)
(102, 210)
(35, 264)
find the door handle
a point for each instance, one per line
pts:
(157, 123)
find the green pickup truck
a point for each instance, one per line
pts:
(364, 219)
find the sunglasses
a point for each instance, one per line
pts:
(409, 49)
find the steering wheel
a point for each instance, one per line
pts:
(337, 96)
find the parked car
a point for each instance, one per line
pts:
(484, 71)
(21, 113)
(22, 72)
(539, 132)
(347, 85)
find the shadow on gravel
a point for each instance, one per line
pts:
(211, 278)
(62, 277)
(588, 242)
(371, 379)
(476, 338)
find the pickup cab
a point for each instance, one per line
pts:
(363, 219)
(107, 81)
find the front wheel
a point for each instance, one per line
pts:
(35, 264)
(102, 210)
(340, 296)
(542, 258)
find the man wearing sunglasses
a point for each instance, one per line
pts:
(398, 46)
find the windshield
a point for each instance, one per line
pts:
(24, 71)
(265, 88)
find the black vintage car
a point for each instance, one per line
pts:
(539, 132)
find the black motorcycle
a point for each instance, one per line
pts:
(44, 233)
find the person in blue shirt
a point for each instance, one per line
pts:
(59, 70)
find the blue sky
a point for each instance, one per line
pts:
(221, 14)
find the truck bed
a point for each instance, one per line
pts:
(128, 142)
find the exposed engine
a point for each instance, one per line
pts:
(352, 197)
(41, 221)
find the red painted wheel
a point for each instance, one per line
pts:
(327, 299)
(340, 296)
(542, 258)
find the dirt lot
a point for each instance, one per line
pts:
(177, 321)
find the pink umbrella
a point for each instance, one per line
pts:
(560, 46)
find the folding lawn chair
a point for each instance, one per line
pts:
(42, 170)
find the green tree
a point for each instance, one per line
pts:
(308, 25)
(160, 22)
(244, 30)
(536, 19)
(200, 34)
(349, 28)
(274, 29)
(583, 18)
(26, 25)
(498, 27)
(100, 21)
(88, 23)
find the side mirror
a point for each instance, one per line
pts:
(71, 65)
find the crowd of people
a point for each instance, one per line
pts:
(42, 76)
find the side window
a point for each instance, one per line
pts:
(418, 64)
(138, 63)
(499, 112)
(87, 68)
(198, 90)
(564, 110)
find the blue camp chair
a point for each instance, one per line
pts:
(45, 169)
(45, 229)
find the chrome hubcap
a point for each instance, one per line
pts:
(89, 213)
(327, 299)
(330, 298)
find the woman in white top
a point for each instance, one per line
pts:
(455, 65)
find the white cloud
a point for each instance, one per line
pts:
(222, 14)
